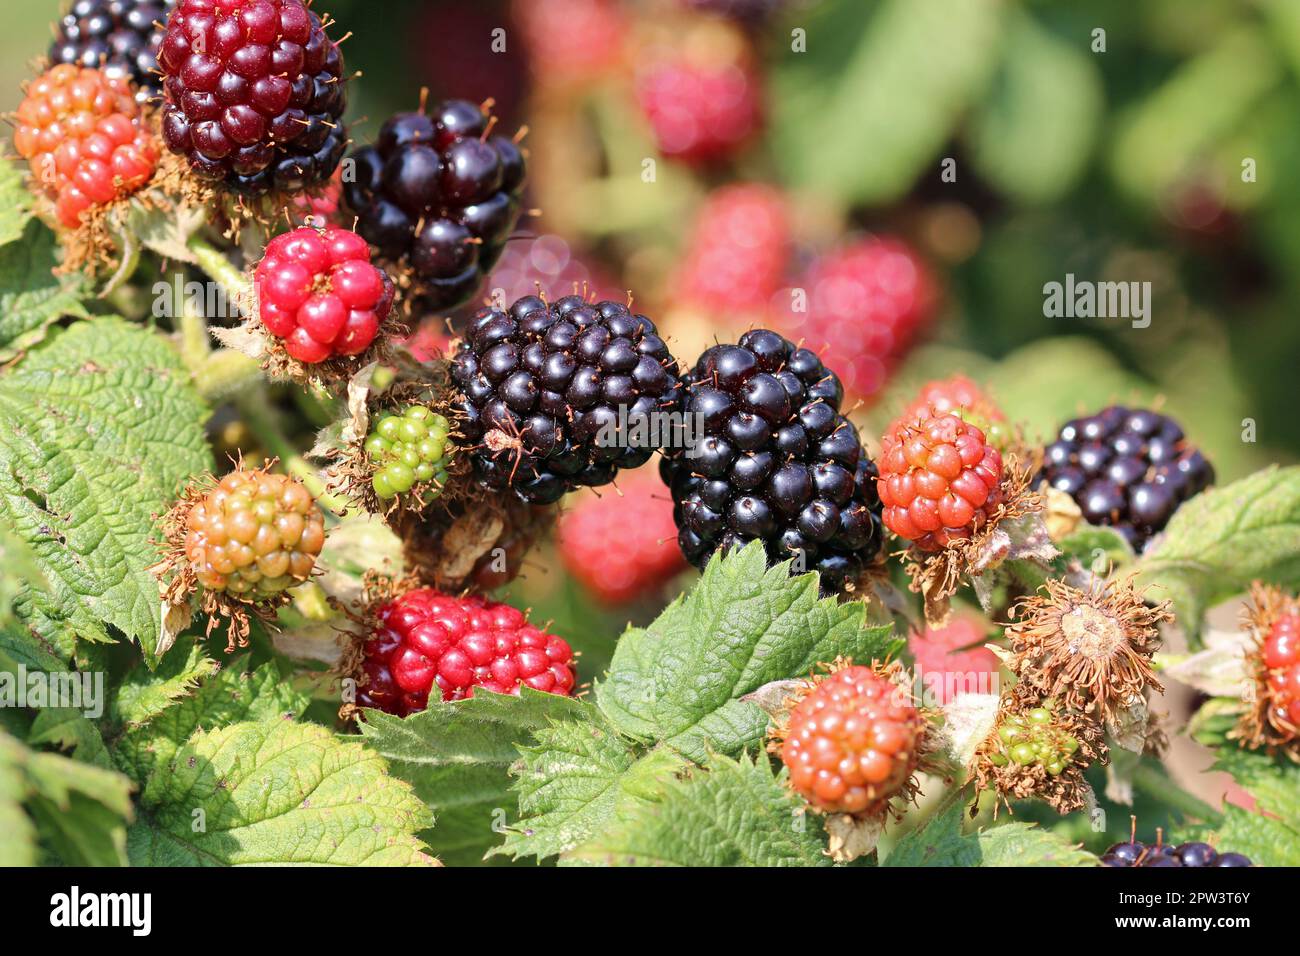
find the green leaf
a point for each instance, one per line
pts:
(879, 92)
(77, 810)
(276, 792)
(31, 295)
(70, 729)
(145, 694)
(1269, 835)
(578, 780)
(1033, 133)
(941, 842)
(99, 428)
(15, 202)
(1096, 547)
(1223, 539)
(20, 648)
(729, 813)
(742, 626)
(457, 757)
(230, 696)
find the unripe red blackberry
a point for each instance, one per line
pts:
(254, 535)
(546, 391)
(254, 93)
(852, 743)
(1281, 657)
(701, 110)
(777, 462)
(439, 192)
(736, 255)
(428, 642)
(940, 481)
(1126, 468)
(319, 294)
(121, 37)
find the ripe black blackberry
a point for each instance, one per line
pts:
(545, 391)
(1136, 853)
(254, 92)
(120, 36)
(777, 462)
(1129, 469)
(438, 191)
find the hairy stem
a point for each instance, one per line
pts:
(255, 409)
(222, 271)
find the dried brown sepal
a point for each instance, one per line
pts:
(1060, 512)
(178, 583)
(936, 576)
(1065, 792)
(1091, 649)
(1263, 725)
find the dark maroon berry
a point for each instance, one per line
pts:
(1197, 854)
(254, 94)
(543, 422)
(120, 36)
(1232, 859)
(777, 462)
(1127, 468)
(1128, 852)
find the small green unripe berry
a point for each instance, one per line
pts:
(1023, 754)
(407, 447)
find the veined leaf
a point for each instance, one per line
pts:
(145, 694)
(276, 792)
(31, 295)
(15, 202)
(941, 843)
(99, 428)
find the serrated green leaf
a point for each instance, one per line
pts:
(15, 202)
(1273, 782)
(1096, 548)
(941, 842)
(276, 792)
(227, 697)
(18, 848)
(1225, 538)
(31, 295)
(70, 729)
(1266, 841)
(743, 625)
(887, 81)
(145, 694)
(1033, 134)
(99, 428)
(457, 756)
(577, 781)
(18, 648)
(728, 813)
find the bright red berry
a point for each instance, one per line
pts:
(865, 305)
(428, 639)
(736, 255)
(701, 110)
(319, 294)
(852, 743)
(80, 131)
(1282, 658)
(622, 545)
(939, 480)
(953, 660)
(952, 396)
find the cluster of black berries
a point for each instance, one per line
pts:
(1129, 469)
(254, 94)
(559, 396)
(777, 462)
(121, 36)
(440, 193)
(1158, 854)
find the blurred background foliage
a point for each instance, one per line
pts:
(1120, 164)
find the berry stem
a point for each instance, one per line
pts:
(222, 271)
(1155, 784)
(254, 407)
(224, 374)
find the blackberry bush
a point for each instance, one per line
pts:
(409, 447)
(552, 395)
(121, 37)
(1126, 468)
(254, 94)
(777, 462)
(440, 193)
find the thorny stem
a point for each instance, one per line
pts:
(256, 412)
(1155, 784)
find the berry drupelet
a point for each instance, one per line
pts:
(562, 395)
(254, 92)
(428, 642)
(1129, 469)
(776, 462)
(438, 191)
(1281, 658)
(121, 37)
(1136, 853)
(408, 447)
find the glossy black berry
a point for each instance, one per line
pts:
(120, 36)
(547, 416)
(433, 192)
(1126, 468)
(254, 94)
(776, 462)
